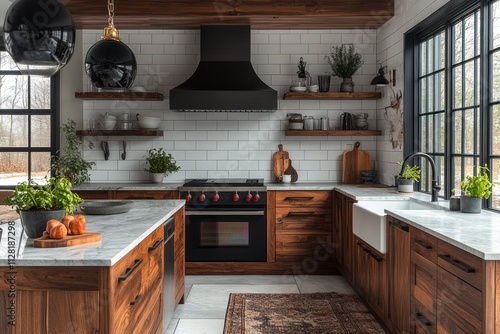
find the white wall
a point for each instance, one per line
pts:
(234, 144)
(390, 44)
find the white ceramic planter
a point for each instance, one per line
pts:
(405, 185)
(157, 177)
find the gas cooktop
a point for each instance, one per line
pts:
(224, 182)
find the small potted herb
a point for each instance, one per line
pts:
(300, 85)
(406, 179)
(69, 163)
(345, 61)
(475, 189)
(160, 164)
(38, 203)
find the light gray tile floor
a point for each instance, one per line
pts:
(207, 297)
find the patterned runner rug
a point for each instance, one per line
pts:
(306, 313)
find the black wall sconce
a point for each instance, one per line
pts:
(380, 79)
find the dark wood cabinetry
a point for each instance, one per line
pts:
(124, 298)
(303, 227)
(370, 277)
(179, 257)
(398, 272)
(344, 242)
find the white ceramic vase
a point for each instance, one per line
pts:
(157, 177)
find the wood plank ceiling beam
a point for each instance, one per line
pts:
(260, 14)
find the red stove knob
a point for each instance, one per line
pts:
(256, 197)
(202, 197)
(216, 197)
(248, 197)
(236, 197)
(188, 197)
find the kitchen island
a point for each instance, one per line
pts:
(111, 286)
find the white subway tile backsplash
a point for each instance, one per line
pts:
(236, 144)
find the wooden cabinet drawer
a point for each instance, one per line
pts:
(295, 247)
(303, 220)
(94, 194)
(424, 244)
(126, 281)
(152, 250)
(460, 263)
(422, 321)
(423, 280)
(149, 314)
(459, 305)
(304, 198)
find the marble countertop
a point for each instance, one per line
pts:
(120, 234)
(478, 234)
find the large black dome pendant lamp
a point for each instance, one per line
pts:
(39, 36)
(110, 64)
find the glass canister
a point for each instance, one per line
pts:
(308, 123)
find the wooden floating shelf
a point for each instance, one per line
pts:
(137, 96)
(96, 133)
(332, 96)
(333, 132)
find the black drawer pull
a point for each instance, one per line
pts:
(155, 245)
(420, 317)
(298, 198)
(306, 213)
(456, 263)
(398, 225)
(366, 250)
(130, 270)
(423, 244)
(376, 257)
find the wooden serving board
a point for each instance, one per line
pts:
(353, 162)
(69, 240)
(281, 163)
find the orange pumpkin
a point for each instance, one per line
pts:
(50, 224)
(77, 225)
(66, 219)
(58, 232)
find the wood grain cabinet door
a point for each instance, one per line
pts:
(398, 260)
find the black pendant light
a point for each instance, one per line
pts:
(110, 63)
(39, 36)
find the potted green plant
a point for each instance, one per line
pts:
(69, 163)
(345, 61)
(475, 189)
(38, 203)
(405, 180)
(160, 164)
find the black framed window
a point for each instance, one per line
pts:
(28, 123)
(452, 99)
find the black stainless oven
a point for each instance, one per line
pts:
(225, 220)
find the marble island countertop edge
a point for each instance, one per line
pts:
(120, 234)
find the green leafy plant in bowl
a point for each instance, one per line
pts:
(38, 203)
(160, 163)
(410, 173)
(478, 186)
(55, 194)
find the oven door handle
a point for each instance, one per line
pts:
(224, 213)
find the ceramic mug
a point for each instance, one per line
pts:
(286, 178)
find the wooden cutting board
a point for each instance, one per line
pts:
(69, 240)
(353, 162)
(281, 163)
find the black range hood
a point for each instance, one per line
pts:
(225, 79)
